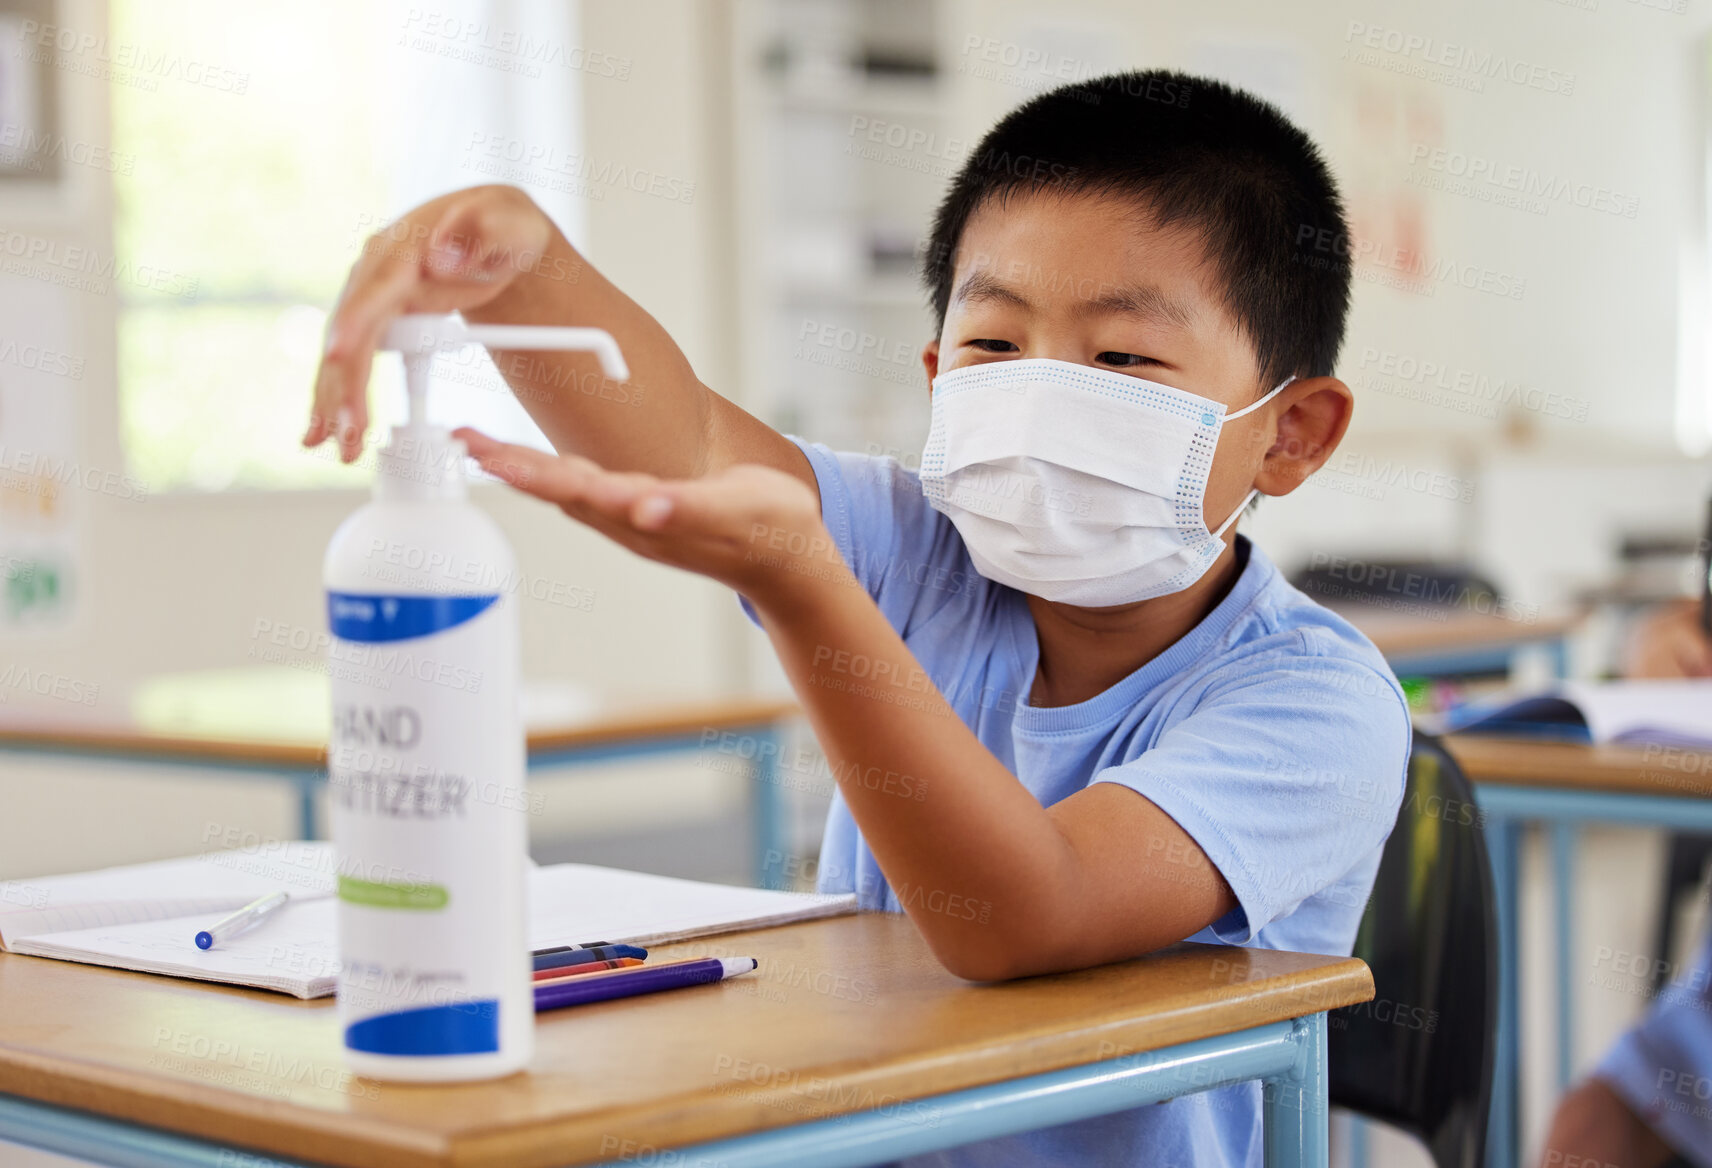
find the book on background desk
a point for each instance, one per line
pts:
(145, 916)
(1640, 712)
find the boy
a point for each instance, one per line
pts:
(1120, 728)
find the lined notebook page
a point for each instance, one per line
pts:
(295, 951)
(292, 951)
(215, 883)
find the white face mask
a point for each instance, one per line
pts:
(1076, 484)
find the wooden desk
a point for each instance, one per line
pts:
(236, 737)
(1434, 644)
(122, 739)
(1563, 785)
(1575, 766)
(848, 1017)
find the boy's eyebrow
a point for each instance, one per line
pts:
(1144, 301)
(1140, 300)
(984, 286)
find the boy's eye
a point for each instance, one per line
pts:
(988, 345)
(1123, 360)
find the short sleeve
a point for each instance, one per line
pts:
(1288, 773)
(906, 555)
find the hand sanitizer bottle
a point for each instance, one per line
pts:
(427, 757)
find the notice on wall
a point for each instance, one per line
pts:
(42, 479)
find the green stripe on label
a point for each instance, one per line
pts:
(378, 895)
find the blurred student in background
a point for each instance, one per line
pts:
(1648, 1104)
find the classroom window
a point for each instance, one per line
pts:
(250, 195)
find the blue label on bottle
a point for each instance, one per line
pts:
(356, 617)
(464, 1028)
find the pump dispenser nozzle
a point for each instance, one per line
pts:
(421, 461)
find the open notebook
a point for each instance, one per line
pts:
(1653, 713)
(145, 916)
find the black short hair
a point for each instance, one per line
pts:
(1191, 151)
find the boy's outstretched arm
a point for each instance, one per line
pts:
(492, 254)
(1000, 886)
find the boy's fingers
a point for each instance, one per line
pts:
(704, 505)
(654, 510)
(378, 290)
(554, 478)
(467, 244)
(486, 238)
(616, 493)
(561, 479)
(478, 240)
(519, 466)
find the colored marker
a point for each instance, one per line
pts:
(243, 920)
(627, 983)
(586, 953)
(545, 976)
(567, 948)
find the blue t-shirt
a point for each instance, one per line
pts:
(1273, 733)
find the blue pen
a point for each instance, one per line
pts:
(586, 954)
(243, 920)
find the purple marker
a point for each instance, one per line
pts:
(647, 979)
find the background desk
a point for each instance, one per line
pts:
(1563, 785)
(1454, 642)
(848, 1018)
(203, 726)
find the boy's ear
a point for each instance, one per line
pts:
(1316, 413)
(930, 361)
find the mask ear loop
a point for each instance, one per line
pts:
(1250, 408)
(1249, 498)
(1243, 506)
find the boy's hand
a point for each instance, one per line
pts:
(457, 252)
(752, 528)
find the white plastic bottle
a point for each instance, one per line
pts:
(427, 758)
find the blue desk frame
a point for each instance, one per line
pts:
(1288, 1058)
(1508, 809)
(767, 802)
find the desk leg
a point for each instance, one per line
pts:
(307, 826)
(1503, 838)
(768, 810)
(1563, 844)
(1359, 1136)
(1295, 1108)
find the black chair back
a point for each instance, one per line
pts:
(1420, 1055)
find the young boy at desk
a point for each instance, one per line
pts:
(1120, 727)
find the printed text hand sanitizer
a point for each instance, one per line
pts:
(426, 761)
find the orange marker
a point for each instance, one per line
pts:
(543, 976)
